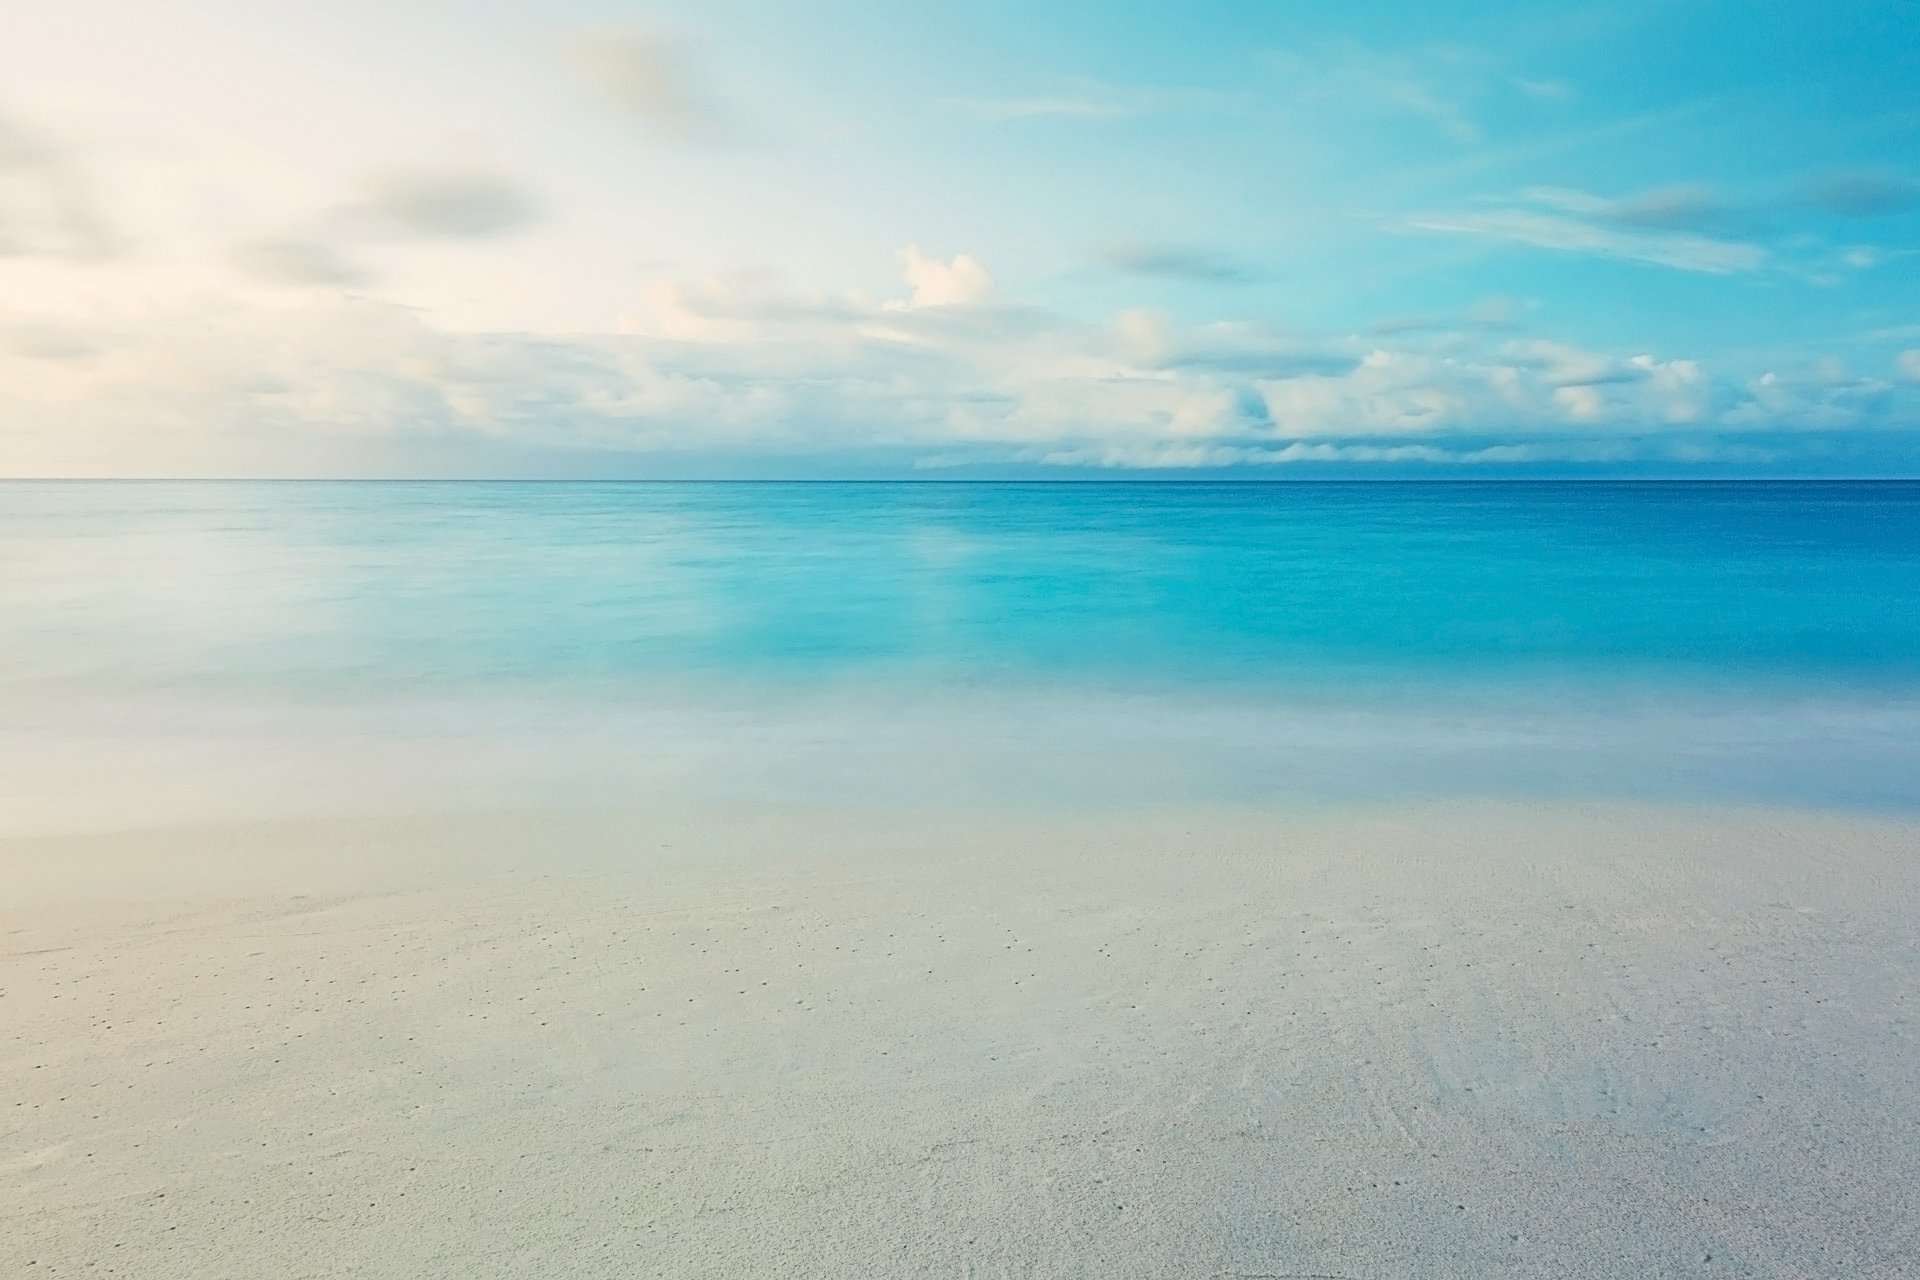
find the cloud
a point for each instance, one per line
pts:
(46, 209)
(1303, 454)
(1687, 206)
(1236, 350)
(295, 261)
(438, 204)
(1823, 397)
(1037, 108)
(50, 340)
(944, 370)
(1443, 86)
(1173, 262)
(648, 77)
(1089, 100)
(1530, 387)
(1561, 365)
(1595, 227)
(1497, 312)
(1544, 90)
(1449, 117)
(1861, 193)
(1695, 206)
(396, 206)
(1691, 227)
(1908, 363)
(960, 280)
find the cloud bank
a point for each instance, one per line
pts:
(945, 372)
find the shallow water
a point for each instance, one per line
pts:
(169, 649)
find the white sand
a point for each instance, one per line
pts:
(1454, 1041)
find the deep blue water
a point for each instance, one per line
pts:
(349, 585)
(216, 643)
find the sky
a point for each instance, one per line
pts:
(1051, 238)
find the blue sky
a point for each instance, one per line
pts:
(744, 238)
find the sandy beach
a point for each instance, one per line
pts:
(1450, 1040)
(1044, 641)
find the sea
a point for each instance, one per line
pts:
(192, 652)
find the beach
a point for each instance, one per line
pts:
(1466, 1038)
(821, 880)
(745, 641)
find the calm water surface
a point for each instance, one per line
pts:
(368, 585)
(1771, 631)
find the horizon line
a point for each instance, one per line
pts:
(1155, 480)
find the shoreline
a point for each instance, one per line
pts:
(1043, 753)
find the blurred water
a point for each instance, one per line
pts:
(1757, 639)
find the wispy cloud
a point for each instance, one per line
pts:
(1448, 87)
(1691, 226)
(1035, 108)
(1544, 90)
(50, 340)
(1089, 100)
(1174, 262)
(438, 204)
(651, 78)
(1686, 206)
(297, 261)
(46, 209)
(1636, 229)
(1488, 314)
(1861, 193)
(396, 206)
(1698, 206)
(1501, 157)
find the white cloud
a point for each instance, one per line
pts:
(1561, 365)
(1386, 393)
(1526, 386)
(1678, 390)
(740, 365)
(1306, 454)
(1680, 251)
(959, 280)
(1678, 207)
(1822, 397)
(1908, 363)
(1691, 227)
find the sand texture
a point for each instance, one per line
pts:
(1465, 1040)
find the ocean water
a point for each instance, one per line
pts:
(188, 649)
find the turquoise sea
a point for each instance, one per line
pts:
(986, 643)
